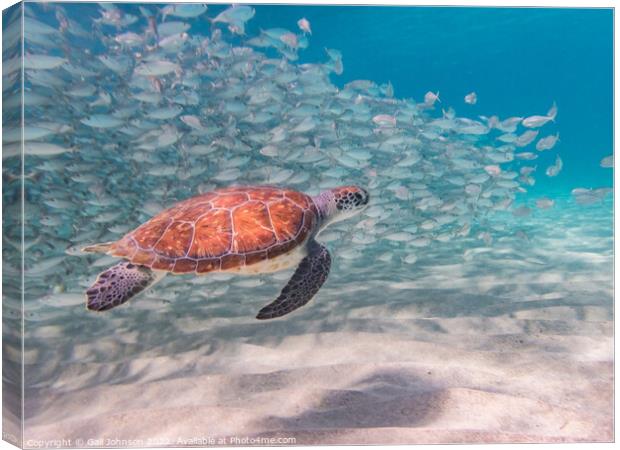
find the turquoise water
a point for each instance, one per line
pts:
(517, 60)
(473, 257)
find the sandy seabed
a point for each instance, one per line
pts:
(504, 344)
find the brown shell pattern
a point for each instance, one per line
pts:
(224, 229)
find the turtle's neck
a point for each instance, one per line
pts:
(327, 208)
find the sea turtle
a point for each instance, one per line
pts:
(248, 230)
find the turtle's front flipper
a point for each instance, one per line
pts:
(118, 284)
(305, 283)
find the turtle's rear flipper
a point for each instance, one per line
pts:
(305, 283)
(117, 285)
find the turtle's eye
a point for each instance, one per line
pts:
(361, 197)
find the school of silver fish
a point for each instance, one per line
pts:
(133, 112)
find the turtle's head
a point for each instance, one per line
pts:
(350, 199)
(341, 203)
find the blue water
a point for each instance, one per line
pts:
(518, 61)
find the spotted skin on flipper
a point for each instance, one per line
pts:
(304, 284)
(117, 285)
